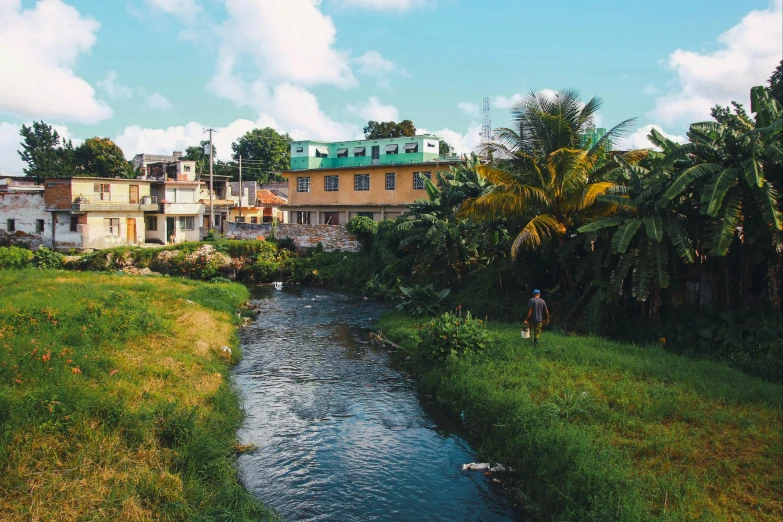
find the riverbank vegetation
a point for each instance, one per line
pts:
(598, 430)
(115, 401)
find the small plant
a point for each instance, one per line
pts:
(14, 257)
(286, 243)
(213, 235)
(453, 335)
(364, 229)
(45, 258)
(422, 300)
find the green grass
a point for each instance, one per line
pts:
(115, 400)
(599, 430)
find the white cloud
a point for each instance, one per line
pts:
(469, 108)
(137, 140)
(184, 8)
(374, 110)
(462, 143)
(291, 41)
(114, 90)
(749, 53)
(384, 5)
(38, 78)
(639, 140)
(503, 102)
(157, 102)
(374, 65)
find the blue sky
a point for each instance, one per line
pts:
(150, 74)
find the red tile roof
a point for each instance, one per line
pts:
(269, 199)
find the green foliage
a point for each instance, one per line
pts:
(46, 155)
(286, 243)
(597, 430)
(422, 300)
(389, 129)
(364, 229)
(47, 259)
(102, 158)
(14, 257)
(451, 335)
(263, 152)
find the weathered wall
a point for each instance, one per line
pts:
(25, 209)
(333, 238)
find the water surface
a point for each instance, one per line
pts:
(342, 434)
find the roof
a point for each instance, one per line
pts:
(88, 178)
(268, 198)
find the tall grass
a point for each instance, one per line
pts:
(599, 430)
(114, 399)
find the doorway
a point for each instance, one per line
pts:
(134, 194)
(171, 229)
(331, 218)
(131, 230)
(376, 154)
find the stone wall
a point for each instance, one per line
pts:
(334, 238)
(25, 210)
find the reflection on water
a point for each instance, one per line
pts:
(341, 434)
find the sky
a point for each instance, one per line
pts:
(153, 74)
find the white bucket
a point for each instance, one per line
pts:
(525, 332)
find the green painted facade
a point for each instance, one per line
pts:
(360, 153)
(591, 137)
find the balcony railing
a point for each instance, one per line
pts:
(115, 203)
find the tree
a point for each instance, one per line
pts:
(263, 152)
(219, 168)
(389, 129)
(102, 158)
(776, 83)
(46, 155)
(444, 149)
(548, 183)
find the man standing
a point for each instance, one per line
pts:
(535, 311)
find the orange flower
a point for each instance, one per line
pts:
(46, 357)
(18, 381)
(69, 361)
(113, 372)
(76, 370)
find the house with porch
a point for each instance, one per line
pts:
(332, 182)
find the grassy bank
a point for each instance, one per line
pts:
(598, 430)
(114, 399)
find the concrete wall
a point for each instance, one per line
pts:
(25, 208)
(333, 238)
(94, 233)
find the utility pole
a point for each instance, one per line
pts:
(211, 183)
(241, 190)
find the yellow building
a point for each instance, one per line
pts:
(335, 196)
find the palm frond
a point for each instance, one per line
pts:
(721, 233)
(654, 227)
(536, 232)
(688, 177)
(715, 190)
(622, 238)
(679, 238)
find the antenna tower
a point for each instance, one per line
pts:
(486, 127)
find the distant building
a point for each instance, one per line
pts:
(140, 161)
(592, 136)
(331, 183)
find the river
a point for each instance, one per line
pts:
(341, 433)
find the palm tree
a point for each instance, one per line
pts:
(545, 181)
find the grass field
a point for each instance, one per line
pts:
(598, 430)
(114, 400)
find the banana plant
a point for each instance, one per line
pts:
(646, 233)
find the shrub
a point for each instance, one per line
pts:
(286, 243)
(45, 258)
(264, 270)
(14, 257)
(453, 335)
(422, 300)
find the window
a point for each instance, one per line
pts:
(217, 220)
(254, 220)
(111, 226)
(239, 220)
(12, 225)
(74, 223)
(187, 168)
(391, 181)
(39, 226)
(102, 191)
(359, 151)
(418, 180)
(331, 183)
(300, 149)
(361, 182)
(431, 144)
(188, 222)
(151, 223)
(392, 149)
(411, 147)
(342, 153)
(321, 152)
(370, 215)
(303, 184)
(303, 218)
